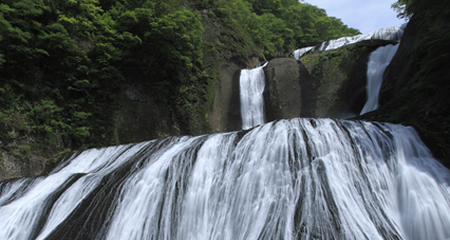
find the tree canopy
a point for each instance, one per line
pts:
(63, 63)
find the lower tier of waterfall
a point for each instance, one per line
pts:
(289, 179)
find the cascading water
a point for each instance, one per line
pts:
(290, 179)
(378, 61)
(297, 54)
(252, 83)
(390, 33)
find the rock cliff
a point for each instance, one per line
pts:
(416, 83)
(321, 84)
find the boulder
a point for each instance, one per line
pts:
(225, 112)
(282, 94)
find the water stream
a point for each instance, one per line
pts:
(290, 179)
(378, 61)
(252, 83)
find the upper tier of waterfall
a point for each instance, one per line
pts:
(390, 33)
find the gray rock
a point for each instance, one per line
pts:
(282, 94)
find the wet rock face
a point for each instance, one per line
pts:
(282, 95)
(225, 112)
(336, 84)
(399, 73)
(12, 166)
(321, 84)
(416, 84)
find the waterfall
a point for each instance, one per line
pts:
(390, 33)
(302, 51)
(378, 61)
(252, 83)
(289, 179)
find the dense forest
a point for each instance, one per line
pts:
(63, 63)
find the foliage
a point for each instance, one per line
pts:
(404, 8)
(63, 63)
(279, 27)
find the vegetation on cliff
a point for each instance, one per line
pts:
(63, 63)
(277, 27)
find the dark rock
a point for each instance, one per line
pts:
(416, 84)
(139, 118)
(282, 94)
(225, 112)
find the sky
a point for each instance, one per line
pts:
(365, 15)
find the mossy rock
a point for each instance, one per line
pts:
(336, 80)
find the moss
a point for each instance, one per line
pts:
(340, 60)
(59, 156)
(308, 59)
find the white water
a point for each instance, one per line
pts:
(302, 51)
(252, 83)
(390, 33)
(291, 179)
(378, 61)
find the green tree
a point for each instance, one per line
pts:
(63, 63)
(404, 8)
